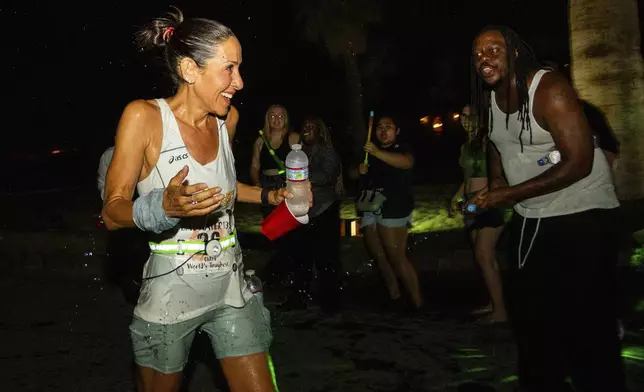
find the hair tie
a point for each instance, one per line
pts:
(167, 33)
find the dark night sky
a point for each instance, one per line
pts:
(72, 69)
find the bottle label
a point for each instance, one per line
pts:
(297, 174)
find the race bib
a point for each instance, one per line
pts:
(220, 251)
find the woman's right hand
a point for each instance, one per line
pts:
(181, 200)
(363, 169)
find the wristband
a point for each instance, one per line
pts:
(265, 192)
(148, 213)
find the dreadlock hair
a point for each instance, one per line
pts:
(521, 61)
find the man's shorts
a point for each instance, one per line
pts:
(369, 218)
(233, 332)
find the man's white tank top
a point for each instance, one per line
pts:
(204, 282)
(594, 191)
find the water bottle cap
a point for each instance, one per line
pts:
(471, 207)
(296, 147)
(250, 272)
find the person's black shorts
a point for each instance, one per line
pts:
(490, 218)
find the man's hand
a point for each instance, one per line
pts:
(485, 199)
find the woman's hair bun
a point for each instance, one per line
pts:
(158, 31)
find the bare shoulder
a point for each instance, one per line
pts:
(232, 117)
(259, 142)
(140, 126)
(137, 114)
(141, 109)
(554, 95)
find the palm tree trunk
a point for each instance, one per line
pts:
(357, 126)
(608, 71)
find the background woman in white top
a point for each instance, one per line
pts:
(177, 154)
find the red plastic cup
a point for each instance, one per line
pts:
(280, 221)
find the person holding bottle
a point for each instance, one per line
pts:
(177, 153)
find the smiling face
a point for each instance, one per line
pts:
(310, 133)
(217, 82)
(276, 118)
(490, 57)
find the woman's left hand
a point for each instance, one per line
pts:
(371, 148)
(279, 195)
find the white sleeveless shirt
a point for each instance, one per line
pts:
(204, 282)
(594, 191)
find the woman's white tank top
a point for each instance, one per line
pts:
(198, 283)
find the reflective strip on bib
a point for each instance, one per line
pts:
(191, 247)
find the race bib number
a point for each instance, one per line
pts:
(220, 261)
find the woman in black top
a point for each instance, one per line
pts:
(390, 169)
(266, 172)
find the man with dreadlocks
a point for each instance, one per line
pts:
(560, 293)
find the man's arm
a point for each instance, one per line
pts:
(558, 110)
(103, 165)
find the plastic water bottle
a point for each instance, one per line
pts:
(553, 157)
(297, 180)
(254, 284)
